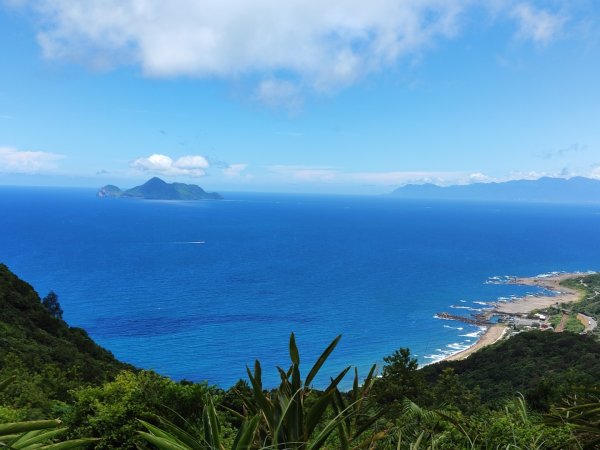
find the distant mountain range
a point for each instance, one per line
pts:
(157, 189)
(546, 189)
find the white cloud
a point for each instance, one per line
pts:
(305, 173)
(234, 170)
(479, 177)
(531, 175)
(192, 165)
(332, 175)
(325, 44)
(405, 177)
(15, 161)
(536, 24)
(288, 46)
(339, 177)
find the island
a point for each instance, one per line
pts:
(157, 189)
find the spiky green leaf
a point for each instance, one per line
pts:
(317, 366)
(294, 354)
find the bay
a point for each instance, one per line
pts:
(199, 290)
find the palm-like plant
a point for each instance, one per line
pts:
(36, 434)
(169, 436)
(293, 417)
(362, 417)
(289, 421)
(582, 413)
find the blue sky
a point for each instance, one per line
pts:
(298, 96)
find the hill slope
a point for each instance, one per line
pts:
(541, 365)
(33, 341)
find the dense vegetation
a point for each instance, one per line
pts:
(537, 390)
(48, 357)
(543, 366)
(589, 285)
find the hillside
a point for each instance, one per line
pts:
(157, 189)
(546, 189)
(33, 342)
(590, 303)
(543, 366)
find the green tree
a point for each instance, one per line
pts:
(111, 411)
(449, 393)
(399, 380)
(52, 305)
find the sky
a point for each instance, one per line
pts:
(343, 96)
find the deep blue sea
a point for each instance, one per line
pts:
(199, 290)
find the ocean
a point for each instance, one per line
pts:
(199, 290)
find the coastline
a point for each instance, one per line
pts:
(492, 334)
(523, 305)
(527, 304)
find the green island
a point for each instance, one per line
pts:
(157, 189)
(60, 390)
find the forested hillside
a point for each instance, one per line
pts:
(48, 357)
(543, 366)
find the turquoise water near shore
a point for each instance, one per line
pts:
(198, 290)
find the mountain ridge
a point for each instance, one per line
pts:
(545, 189)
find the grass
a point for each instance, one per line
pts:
(555, 319)
(574, 325)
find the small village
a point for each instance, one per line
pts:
(554, 318)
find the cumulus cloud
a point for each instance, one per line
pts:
(539, 25)
(286, 47)
(16, 161)
(192, 165)
(325, 44)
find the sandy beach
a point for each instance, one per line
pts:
(525, 305)
(493, 334)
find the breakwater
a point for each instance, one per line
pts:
(478, 320)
